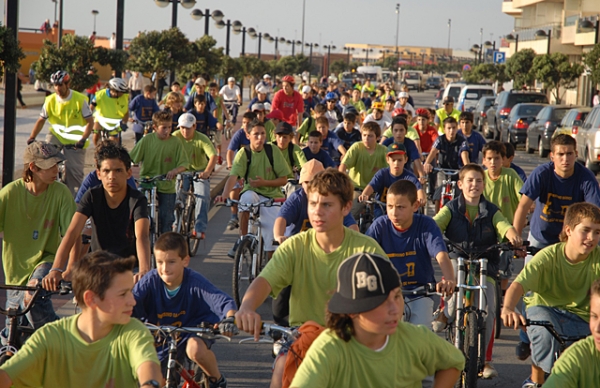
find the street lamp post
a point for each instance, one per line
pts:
(310, 57)
(241, 29)
(367, 50)
(329, 48)
(397, 36)
(513, 38)
(60, 23)
(10, 101)
(490, 45)
(95, 13)
(348, 49)
(303, 18)
(476, 49)
(55, 8)
(541, 34)
(253, 34)
(449, 31)
(383, 52)
(198, 15)
(236, 24)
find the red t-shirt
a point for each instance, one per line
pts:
(290, 106)
(427, 138)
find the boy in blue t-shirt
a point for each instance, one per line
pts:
(313, 150)
(410, 241)
(142, 108)
(399, 129)
(347, 131)
(205, 121)
(384, 178)
(332, 144)
(175, 295)
(474, 139)
(507, 162)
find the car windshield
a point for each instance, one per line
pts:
(558, 114)
(476, 94)
(434, 79)
(454, 91)
(529, 110)
(411, 76)
(537, 98)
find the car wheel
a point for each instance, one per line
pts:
(528, 148)
(593, 167)
(541, 151)
(512, 140)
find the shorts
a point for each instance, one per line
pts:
(217, 136)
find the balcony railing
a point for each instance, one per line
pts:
(528, 33)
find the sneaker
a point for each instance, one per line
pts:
(231, 252)
(219, 160)
(233, 224)
(440, 321)
(214, 383)
(489, 372)
(528, 383)
(523, 351)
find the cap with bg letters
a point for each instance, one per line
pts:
(365, 281)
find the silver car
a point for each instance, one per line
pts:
(588, 140)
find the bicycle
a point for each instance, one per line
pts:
(367, 216)
(195, 376)
(228, 128)
(563, 340)
(250, 257)
(17, 333)
(185, 213)
(111, 128)
(280, 336)
(467, 331)
(148, 186)
(147, 125)
(232, 109)
(448, 184)
(62, 168)
(410, 296)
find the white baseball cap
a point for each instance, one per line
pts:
(266, 76)
(262, 89)
(200, 81)
(186, 120)
(258, 106)
(306, 89)
(402, 95)
(267, 106)
(230, 79)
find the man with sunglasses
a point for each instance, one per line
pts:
(71, 124)
(447, 110)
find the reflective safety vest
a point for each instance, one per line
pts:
(109, 111)
(65, 118)
(442, 114)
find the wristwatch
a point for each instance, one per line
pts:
(151, 383)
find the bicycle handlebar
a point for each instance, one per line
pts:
(64, 288)
(148, 180)
(424, 290)
(204, 332)
(271, 328)
(447, 171)
(265, 202)
(194, 175)
(475, 255)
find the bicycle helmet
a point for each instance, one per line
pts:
(422, 112)
(118, 85)
(398, 111)
(377, 105)
(59, 77)
(289, 79)
(330, 96)
(349, 109)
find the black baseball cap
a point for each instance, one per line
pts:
(284, 128)
(365, 281)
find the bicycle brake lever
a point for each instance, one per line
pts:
(222, 337)
(262, 340)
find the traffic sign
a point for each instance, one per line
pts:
(499, 57)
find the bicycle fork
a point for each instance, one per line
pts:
(465, 290)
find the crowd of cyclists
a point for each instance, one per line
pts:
(330, 151)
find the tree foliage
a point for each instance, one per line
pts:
(254, 67)
(486, 72)
(76, 56)
(338, 66)
(592, 61)
(518, 68)
(116, 59)
(10, 51)
(208, 59)
(160, 51)
(555, 72)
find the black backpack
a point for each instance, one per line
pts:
(269, 152)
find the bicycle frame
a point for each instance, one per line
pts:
(151, 194)
(464, 297)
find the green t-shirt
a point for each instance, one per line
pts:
(359, 105)
(504, 192)
(578, 366)
(307, 126)
(32, 226)
(362, 165)
(219, 109)
(198, 150)
(270, 129)
(57, 356)
(411, 353)
(302, 263)
(261, 166)
(411, 133)
(501, 224)
(299, 158)
(558, 283)
(158, 157)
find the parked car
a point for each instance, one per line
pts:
(470, 95)
(434, 83)
(588, 140)
(567, 125)
(501, 109)
(453, 90)
(438, 98)
(479, 113)
(514, 128)
(541, 129)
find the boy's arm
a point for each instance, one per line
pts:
(446, 378)
(147, 371)
(464, 156)
(446, 285)
(521, 213)
(510, 317)
(443, 218)
(261, 182)
(342, 150)
(367, 192)
(209, 167)
(279, 229)
(247, 319)
(5, 381)
(230, 156)
(343, 168)
(142, 245)
(432, 155)
(227, 189)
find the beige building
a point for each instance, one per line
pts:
(566, 26)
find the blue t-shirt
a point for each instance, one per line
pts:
(449, 152)
(142, 109)
(309, 104)
(91, 180)
(210, 102)
(347, 138)
(204, 120)
(197, 301)
(255, 100)
(519, 172)
(331, 145)
(410, 251)
(476, 142)
(295, 211)
(238, 140)
(367, 102)
(383, 179)
(411, 148)
(321, 156)
(553, 194)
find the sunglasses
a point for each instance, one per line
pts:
(449, 103)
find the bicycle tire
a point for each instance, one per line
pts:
(3, 358)
(179, 227)
(242, 270)
(190, 223)
(498, 309)
(471, 351)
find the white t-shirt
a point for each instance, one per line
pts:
(408, 107)
(230, 93)
(383, 122)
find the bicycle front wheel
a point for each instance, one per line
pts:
(242, 270)
(193, 243)
(471, 351)
(179, 226)
(498, 309)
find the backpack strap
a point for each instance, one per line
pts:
(291, 154)
(248, 151)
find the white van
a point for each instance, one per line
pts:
(453, 90)
(372, 73)
(414, 79)
(470, 95)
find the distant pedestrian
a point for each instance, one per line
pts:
(596, 99)
(93, 37)
(45, 26)
(113, 41)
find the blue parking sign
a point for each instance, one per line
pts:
(499, 57)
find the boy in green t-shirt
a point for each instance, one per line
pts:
(362, 161)
(203, 158)
(102, 345)
(310, 124)
(556, 283)
(308, 261)
(263, 180)
(283, 135)
(579, 365)
(162, 154)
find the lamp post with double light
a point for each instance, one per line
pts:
(216, 15)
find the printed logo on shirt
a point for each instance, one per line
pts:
(553, 210)
(168, 159)
(305, 225)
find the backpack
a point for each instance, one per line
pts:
(269, 152)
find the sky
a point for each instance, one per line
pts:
(337, 22)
